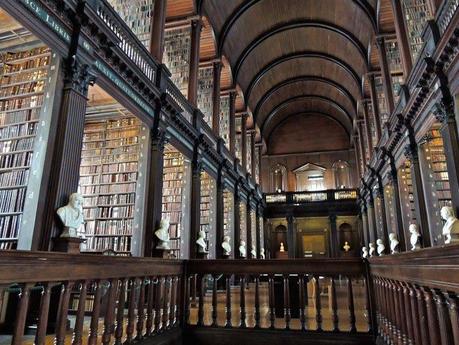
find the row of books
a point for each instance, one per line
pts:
(25, 78)
(18, 130)
(113, 199)
(21, 102)
(205, 93)
(116, 243)
(14, 178)
(9, 227)
(22, 89)
(109, 226)
(12, 200)
(228, 205)
(15, 117)
(16, 160)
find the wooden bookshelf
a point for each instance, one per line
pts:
(249, 153)
(405, 185)
(175, 197)
(207, 208)
(177, 47)
(224, 119)
(228, 215)
(262, 232)
(435, 180)
(257, 164)
(253, 231)
(374, 137)
(381, 97)
(416, 14)
(23, 82)
(243, 225)
(109, 177)
(390, 205)
(395, 66)
(379, 217)
(137, 14)
(205, 93)
(238, 141)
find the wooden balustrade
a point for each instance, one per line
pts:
(88, 298)
(416, 296)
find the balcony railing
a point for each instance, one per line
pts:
(307, 197)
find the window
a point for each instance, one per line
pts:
(309, 177)
(341, 173)
(278, 178)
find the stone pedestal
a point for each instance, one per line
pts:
(282, 255)
(70, 245)
(202, 255)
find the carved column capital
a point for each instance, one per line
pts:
(411, 152)
(159, 139)
(78, 76)
(444, 110)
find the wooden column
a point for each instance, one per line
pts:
(248, 217)
(392, 176)
(333, 236)
(366, 227)
(446, 116)
(372, 219)
(386, 76)
(159, 139)
(402, 37)
(157, 30)
(216, 98)
(195, 209)
(244, 141)
(258, 231)
(380, 196)
(66, 143)
(237, 223)
(374, 104)
(357, 157)
(232, 122)
(260, 174)
(368, 127)
(196, 27)
(291, 236)
(252, 153)
(411, 153)
(362, 143)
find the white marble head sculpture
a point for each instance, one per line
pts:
(163, 234)
(451, 226)
(414, 237)
(372, 250)
(201, 242)
(364, 252)
(381, 246)
(71, 215)
(393, 243)
(226, 245)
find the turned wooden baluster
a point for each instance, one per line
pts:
(228, 323)
(187, 300)
(40, 336)
(243, 323)
(287, 315)
(443, 317)
(201, 294)
(415, 315)
(150, 304)
(158, 295)
(350, 302)
(383, 310)
(431, 316)
(423, 322)
(257, 301)
(120, 312)
(131, 312)
(214, 301)
(397, 302)
(334, 305)
(407, 310)
(94, 325)
(21, 314)
(61, 327)
(78, 332)
(302, 302)
(141, 310)
(272, 311)
(403, 313)
(318, 305)
(453, 306)
(109, 326)
(367, 305)
(166, 302)
(173, 304)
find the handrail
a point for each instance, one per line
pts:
(311, 196)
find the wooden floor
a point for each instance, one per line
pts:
(310, 311)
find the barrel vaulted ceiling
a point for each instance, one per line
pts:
(296, 56)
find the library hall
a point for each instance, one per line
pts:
(231, 172)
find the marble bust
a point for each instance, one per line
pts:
(253, 252)
(242, 249)
(201, 242)
(364, 252)
(226, 246)
(372, 249)
(346, 246)
(414, 238)
(393, 243)
(262, 253)
(282, 249)
(451, 227)
(163, 235)
(381, 247)
(71, 215)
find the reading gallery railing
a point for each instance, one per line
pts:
(416, 296)
(315, 196)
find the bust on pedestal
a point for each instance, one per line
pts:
(71, 216)
(226, 245)
(451, 227)
(372, 249)
(242, 250)
(393, 243)
(414, 238)
(381, 247)
(162, 234)
(262, 253)
(364, 252)
(202, 245)
(253, 252)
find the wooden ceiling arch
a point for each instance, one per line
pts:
(367, 9)
(298, 55)
(301, 78)
(282, 27)
(301, 98)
